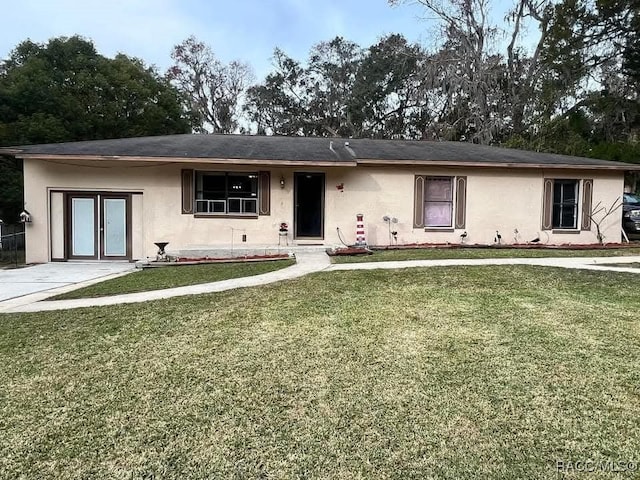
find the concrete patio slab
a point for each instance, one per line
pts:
(18, 282)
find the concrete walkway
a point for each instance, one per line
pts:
(584, 263)
(307, 262)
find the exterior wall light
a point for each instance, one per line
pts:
(282, 183)
(25, 217)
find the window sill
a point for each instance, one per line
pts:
(439, 229)
(213, 215)
(565, 231)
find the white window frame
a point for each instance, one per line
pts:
(563, 205)
(452, 180)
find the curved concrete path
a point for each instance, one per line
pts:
(307, 262)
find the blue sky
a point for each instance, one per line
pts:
(247, 30)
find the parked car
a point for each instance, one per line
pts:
(631, 214)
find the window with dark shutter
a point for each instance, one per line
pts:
(439, 202)
(226, 193)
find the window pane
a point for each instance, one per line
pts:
(243, 186)
(249, 206)
(83, 227)
(202, 206)
(211, 186)
(556, 216)
(233, 205)
(115, 227)
(569, 193)
(217, 206)
(437, 214)
(438, 205)
(565, 203)
(439, 189)
(568, 217)
(220, 192)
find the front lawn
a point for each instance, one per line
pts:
(496, 252)
(174, 276)
(493, 372)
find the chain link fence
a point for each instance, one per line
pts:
(11, 245)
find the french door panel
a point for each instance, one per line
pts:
(98, 226)
(113, 229)
(83, 238)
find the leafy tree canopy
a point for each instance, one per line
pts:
(66, 91)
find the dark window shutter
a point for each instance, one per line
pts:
(587, 196)
(547, 205)
(461, 202)
(265, 193)
(187, 191)
(418, 201)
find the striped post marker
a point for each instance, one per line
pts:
(360, 238)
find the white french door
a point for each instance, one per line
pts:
(114, 227)
(98, 226)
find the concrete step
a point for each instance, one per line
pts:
(225, 251)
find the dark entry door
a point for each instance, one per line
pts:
(309, 205)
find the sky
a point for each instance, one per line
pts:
(246, 30)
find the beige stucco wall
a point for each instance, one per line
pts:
(502, 200)
(497, 200)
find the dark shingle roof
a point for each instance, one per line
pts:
(309, 149)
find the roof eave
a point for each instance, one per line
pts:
(9, 152)
(476, 164)
(213, 161)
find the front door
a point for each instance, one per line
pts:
(309, 205)
(98, 226)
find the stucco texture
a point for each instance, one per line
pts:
(501, 200)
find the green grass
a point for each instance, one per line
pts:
(443, 373)
(169, 277)
(446, 253)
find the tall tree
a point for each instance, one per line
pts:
(330, 77)
(387, 98)
(278, 106)
(311, 99)
(465, 64)
(65, 91)
(491, 89)
(212, 90)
